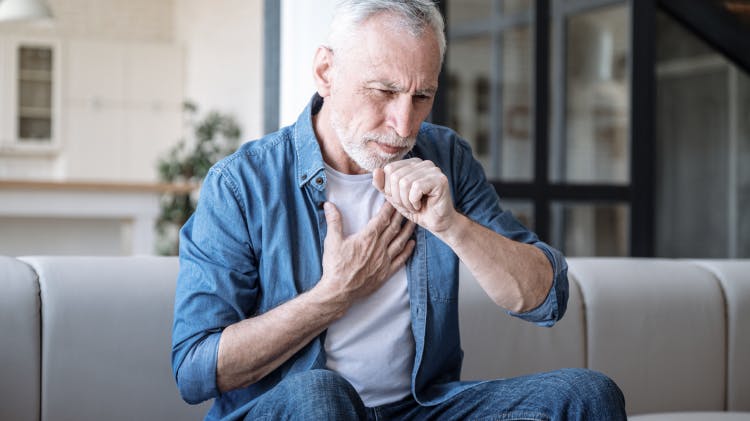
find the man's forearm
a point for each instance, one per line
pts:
(252, 348)
(515, 275)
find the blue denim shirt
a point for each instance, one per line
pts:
(255, 241)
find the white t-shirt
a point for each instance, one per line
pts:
(372, 346)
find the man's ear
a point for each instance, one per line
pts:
(323, 70)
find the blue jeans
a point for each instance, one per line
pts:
(568, 394)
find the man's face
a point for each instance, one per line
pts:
(382, 88)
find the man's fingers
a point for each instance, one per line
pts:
(388, 187)
(381, 220)
(378, 179)
(416, 192)
(397, 244)
(400, 260)
(393, 230)
(333, 220)
(407, 182)
(399, 209)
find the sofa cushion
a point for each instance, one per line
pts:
(106, 335)
(20, 347)
(657, 327)
(735, 280)
(497, 345)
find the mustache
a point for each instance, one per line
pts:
(391, 139)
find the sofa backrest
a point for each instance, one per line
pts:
(106, 331)
(734, 278)
(20, 346)
(498, 346)
(88, 338)
(673, 334)
(657, 327)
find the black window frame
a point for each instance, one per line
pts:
(638, 194)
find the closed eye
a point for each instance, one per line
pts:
(387, 92)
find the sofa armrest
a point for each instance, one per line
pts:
(20, 365)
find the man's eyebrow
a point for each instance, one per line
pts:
(430, 90)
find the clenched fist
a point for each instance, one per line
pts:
(419, 191)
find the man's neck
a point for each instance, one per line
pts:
(330, 145)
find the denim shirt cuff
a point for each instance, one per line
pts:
(198, 378)
(553, 307)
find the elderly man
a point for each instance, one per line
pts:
(319, 274)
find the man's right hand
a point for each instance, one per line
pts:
(356, 266)
(353, 267)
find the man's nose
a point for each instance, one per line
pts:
(401, 115)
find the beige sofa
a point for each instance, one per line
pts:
(88, 338)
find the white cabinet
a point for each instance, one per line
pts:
(123, 108)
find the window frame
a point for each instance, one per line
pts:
(638, 193)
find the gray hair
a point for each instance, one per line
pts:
(412, 15)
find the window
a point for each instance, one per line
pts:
(703, 147)
(541, 89)
(490, 74)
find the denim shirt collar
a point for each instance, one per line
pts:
(309, 157)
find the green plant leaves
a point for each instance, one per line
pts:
(211, 137)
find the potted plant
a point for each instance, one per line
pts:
(210, 137)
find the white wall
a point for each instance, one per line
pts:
(223, 48)
(304, 26)
(120, 90)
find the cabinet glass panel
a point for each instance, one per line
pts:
(469, 93)
(35, 93)
(596, 145)
(584, 229)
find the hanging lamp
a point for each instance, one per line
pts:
(16, 10)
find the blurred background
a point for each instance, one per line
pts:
(610, 127)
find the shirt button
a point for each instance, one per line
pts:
(319, 181)
(320, 205)
(304, 177)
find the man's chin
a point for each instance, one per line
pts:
(374, 159)
(385, 159)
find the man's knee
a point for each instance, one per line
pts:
(592, 392)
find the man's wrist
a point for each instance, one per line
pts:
(455, 230)
(328, 302)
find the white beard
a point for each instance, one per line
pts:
(357, 149)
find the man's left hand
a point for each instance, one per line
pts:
(419, 191)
